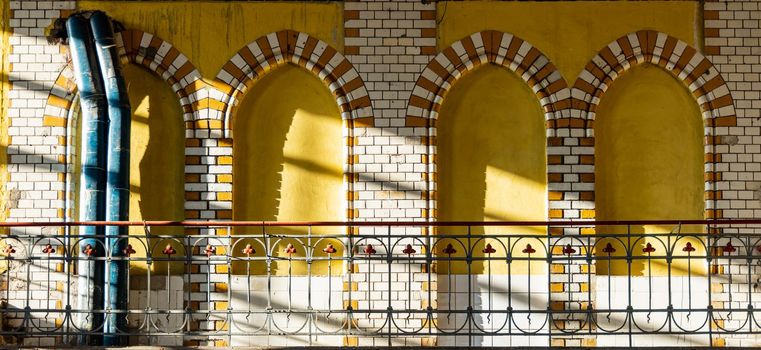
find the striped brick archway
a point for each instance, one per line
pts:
(486, 47)
(494, 47)
(291, 47)
(301, 49)
(136, 47)
(146, 50)
(685, 63)
(675, 56)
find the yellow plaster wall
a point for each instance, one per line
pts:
(157, 158)
(210, 33)
(289, 155)
(570, 33)
(649, 160)
(491, 161)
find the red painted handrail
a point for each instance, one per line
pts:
(559, 223)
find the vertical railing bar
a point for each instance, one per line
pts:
(68, 260)
(469, 260)
(349, 257)
(550, 260)
(429, 266)
(309, 251)
(229, 257)
(749, 248)
(187, 272)
(629, 308)
(709, 254)
(27, 307)
(669, 256)
(149, 254)
(590, 306)
(389, 262)
(509, 315)
(268, 260)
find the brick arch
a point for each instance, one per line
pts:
(136, 47)
(675, 56)
(494, 47)
(148, 51)
(289, 46)
(687, 65)
(502, 49)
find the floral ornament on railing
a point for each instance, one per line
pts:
(489, 249)
(48, 249)
(329, 249)
(169, 250)
(369, 250)
(729, 248)
(128, 251)
(648, 249)
(248, 249)
(88, 250)
(290, 249)
(209, 251)
(408, 250)
(568, 249)
(688, 248)
(9, 250)
(609, 249)
(449, 249)
(529, 249)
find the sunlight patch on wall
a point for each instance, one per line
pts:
(649, 161)
(289, 155)
(491, 160)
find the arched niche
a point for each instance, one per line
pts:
(157, 157)
(649, 156)
(289, 154)
(491, 164)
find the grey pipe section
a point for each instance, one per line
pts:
(117, 178)
(93, 178)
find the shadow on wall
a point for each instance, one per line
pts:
(649, 165)
(157, 158)
(289, 153)
(491, 161)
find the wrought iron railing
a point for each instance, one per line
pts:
(394, 283)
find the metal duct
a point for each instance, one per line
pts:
(93, 177)
(117, 178)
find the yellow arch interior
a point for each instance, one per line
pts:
(289, 155)
(649, 164)
(490, 162)
(157, 160)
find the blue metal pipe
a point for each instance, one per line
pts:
(93, 178)
(117, 180)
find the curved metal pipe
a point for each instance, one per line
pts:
(93, 177)
(117, 179)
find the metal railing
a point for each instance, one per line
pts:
(455, 283)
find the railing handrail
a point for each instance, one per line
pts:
(558, 223)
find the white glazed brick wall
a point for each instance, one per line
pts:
(733, 44)
(389, 43)
(35, 154)
(34, 151)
